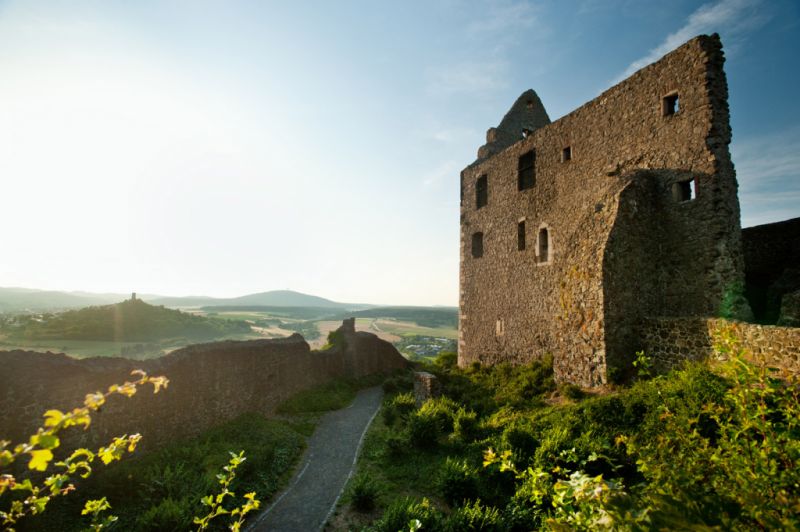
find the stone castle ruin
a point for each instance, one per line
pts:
(576, 232)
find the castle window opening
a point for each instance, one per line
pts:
(481, 192)
(526, 175)
(566, 154)
(670, 105)
(500, 327)
(477, 245)
(544, 245)
(684, 191)
(521, 235)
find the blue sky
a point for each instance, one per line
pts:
(224, 148)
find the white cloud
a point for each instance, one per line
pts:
(505, 16)
(469, 77)
(733, 18)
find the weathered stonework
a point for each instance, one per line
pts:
(610, 236)
(426, 386)
(209, 383)
(772, 267)
(670, 341)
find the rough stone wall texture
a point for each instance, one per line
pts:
(670, 341)
(772, 265)
(426, 386)
(209, 383)
(621, 246)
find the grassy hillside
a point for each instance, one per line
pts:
(434, 317)
(129, 321)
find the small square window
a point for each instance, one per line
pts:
(566, 154)
(683, 191)
(670, 105)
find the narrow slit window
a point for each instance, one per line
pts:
(477, 245)
(526, 176)
(521, 235)
(566, 154)
(670, 105)
(481, 192)
(544, 245)
(683, 191)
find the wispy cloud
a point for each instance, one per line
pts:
(444, 170)
(768, 169)
(732, 18)
(505, 16)
(469, 77)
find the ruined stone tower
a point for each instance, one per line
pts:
(574, 231)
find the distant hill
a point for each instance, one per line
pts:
(28, 299)
(129, 321)
(274, 298)
(18, 299)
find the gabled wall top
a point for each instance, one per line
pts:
(525, 116)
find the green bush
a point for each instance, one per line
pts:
(465, 426)
(423, 430)
(446, 360)
(570, 391)
(442, 410)
(521, 443)
(475, 517)
(363, 494)
(396, 445)
(402, 512)
(403, 404)
(168, 514)
(332, 395)
(457, 482)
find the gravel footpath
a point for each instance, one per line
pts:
(308, 502)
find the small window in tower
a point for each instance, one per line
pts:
(481, 192)
(544, 245)
(477, 245)
(500, 327)
(566, 154)
(670, 105)
(526, 176)
(684, 191)
(521, 235)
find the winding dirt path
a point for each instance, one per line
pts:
(308, 502)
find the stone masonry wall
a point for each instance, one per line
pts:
(209, 383)
(615, 191)
(670, 341)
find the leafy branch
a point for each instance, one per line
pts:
(39, 453)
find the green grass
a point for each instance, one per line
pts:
(161, 490)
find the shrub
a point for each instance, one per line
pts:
(402, 512)
(475, 517)
(465, 425)
(446, 359)
(521, 443)
(442, 410)
(363, 494)
(571, 391)
(403, 404)
(396, 445)
(168, 514)
(457, 482)
(423, 430)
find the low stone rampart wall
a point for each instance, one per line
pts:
(209, 384)
(670, 341)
